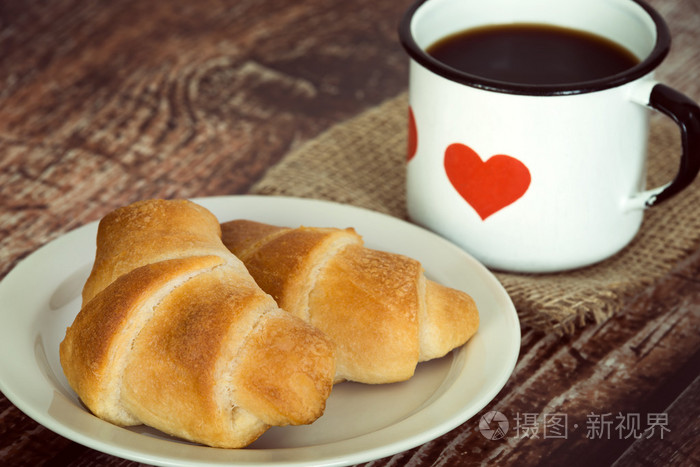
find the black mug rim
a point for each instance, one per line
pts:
(661, 48)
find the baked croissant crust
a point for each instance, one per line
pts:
(174, 333)
(379, 309)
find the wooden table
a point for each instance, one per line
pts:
(104, 103)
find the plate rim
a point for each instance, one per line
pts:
(365, 455)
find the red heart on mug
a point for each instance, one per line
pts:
(488, 186)
(412, 136)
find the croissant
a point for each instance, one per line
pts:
(378, 308)
(174, 333)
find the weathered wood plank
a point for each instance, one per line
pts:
(116, 101)
(680, 445)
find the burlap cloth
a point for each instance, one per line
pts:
(362, 162)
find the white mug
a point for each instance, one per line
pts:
(538, 178)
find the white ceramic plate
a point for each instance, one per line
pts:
(41, 296)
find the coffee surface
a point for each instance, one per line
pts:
(532, 54)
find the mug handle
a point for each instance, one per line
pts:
(686, 114)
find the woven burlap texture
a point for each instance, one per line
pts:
(362, 162)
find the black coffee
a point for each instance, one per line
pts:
(532, 54)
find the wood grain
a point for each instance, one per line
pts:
(108, 102)
(103, 103)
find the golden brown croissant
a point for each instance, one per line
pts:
(174, 333)
(378, 308)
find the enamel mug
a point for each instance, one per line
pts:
(538, 178)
